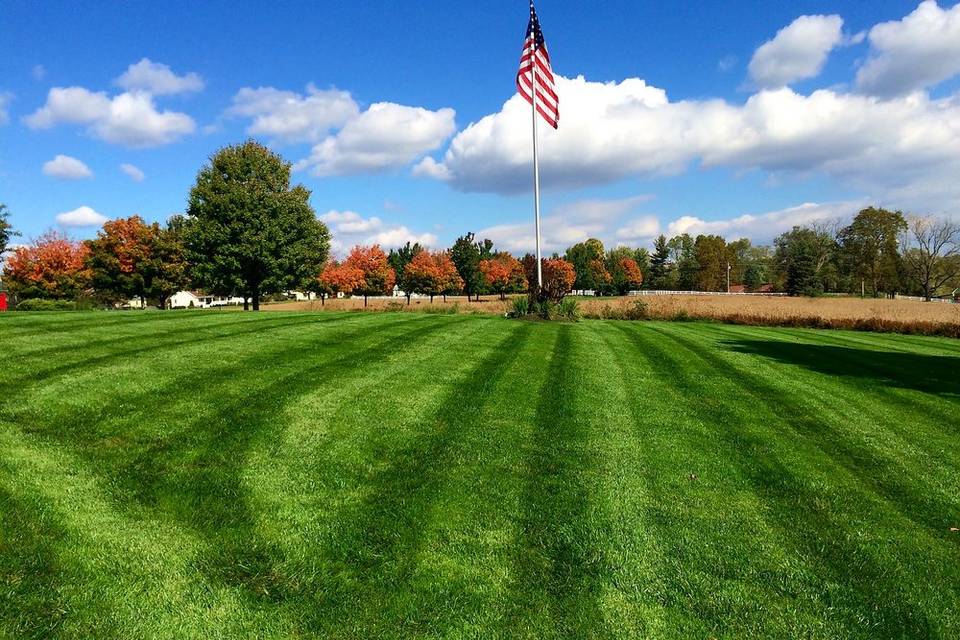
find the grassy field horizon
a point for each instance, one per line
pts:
(350, 475)
(839, 311)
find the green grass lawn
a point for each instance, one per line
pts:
(205, 475)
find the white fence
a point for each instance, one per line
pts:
(922, 299)
(654, 292)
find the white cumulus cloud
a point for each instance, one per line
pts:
(157, 79)
(797, 52)
(559, 229)
(642, 228)
(919, 51)
(290, 117)
(565, 225)
(385, 136)
(66, 168)
(618, 129)
(81, 217)
(132, 171)
(764, 227)
(129, 119)
(349, 228)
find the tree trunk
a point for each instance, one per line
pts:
(431, 298)
(408, 299)
(256, 298)
(246, 303)
(503, 296)
(143, 302)
(364, 300)
(444, 297)
(323, 299)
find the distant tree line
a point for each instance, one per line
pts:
(248, 232)
(880, 253)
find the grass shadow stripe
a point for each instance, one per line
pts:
(803, 513)
(150, 345)
(558, 568)
(213, 468)
(882, 473)
(28, 564)
(83, 339)
(212, 473)
(375, 556)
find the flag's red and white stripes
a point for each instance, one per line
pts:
(535, 63)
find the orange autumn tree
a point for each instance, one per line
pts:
(626, 275)
(503, 274)
(53, 266)
(118, 257)
(558, 278)
(378, 275)
(452, 282)
(432, 274)
(339, 278)
(599, 275)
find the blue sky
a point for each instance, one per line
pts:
(682, 118)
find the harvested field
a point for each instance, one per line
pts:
(903, 316)
(718, 307)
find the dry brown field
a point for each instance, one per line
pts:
(829, 312)
(828, 308)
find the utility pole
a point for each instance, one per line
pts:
(728, 277)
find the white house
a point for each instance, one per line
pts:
(400, 293)
(132, 303)
(198, 300)
(300, 296)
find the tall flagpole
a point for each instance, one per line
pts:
(536, 163)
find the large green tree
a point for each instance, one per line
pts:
(684, 257)
(248, 230)
(642, 257)
(398, 259)
(466, 254)
(660, 263)
(871, 248)
(165, 270)
(800, 259)
(587, 259)
(710, 252)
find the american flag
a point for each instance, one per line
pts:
(535, 55)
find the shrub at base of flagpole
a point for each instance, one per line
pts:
(568, 309)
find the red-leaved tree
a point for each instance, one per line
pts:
(132, 259)
(558, 278)
(503, 274)
(378, 275)
(339, 278)
(53, 266)
(431, 273)
(626, 275)
(452, 282)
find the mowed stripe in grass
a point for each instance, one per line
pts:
(401, 475)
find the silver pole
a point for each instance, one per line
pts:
(536, 165)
